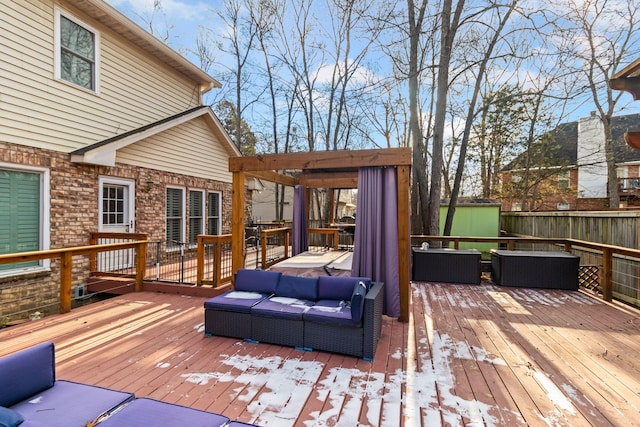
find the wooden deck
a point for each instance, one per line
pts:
(470, 356)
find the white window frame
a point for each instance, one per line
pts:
(203, 217)
(57, 48)
(45, 221)
(219, 193)
(102, 180)
(564, 180)
(170, 245)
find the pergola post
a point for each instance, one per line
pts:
(404, 241)
(237, 222)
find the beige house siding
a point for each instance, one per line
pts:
(37, 110)
(199, 155)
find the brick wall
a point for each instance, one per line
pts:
(74, 215)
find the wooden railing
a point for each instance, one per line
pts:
(331, 234)
(221, 245)
(607, 253)
(271, 241)
(66, 260)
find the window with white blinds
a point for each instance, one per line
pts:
(213, 213)
(175, 217)
(196, 215)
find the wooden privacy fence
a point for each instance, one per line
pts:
(619, 267)
(66, 255)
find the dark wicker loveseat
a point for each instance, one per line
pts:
(330, 313)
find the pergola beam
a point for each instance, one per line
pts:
(275, 177)
(628, 79)
(341, 159)
(337, 180)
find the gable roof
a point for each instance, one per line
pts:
(110, 17)
(565, 143)
(104, 152)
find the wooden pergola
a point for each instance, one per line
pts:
(325, 169)
(628, 80)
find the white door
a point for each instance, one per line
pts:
(116, 215)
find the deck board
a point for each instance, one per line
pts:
(470, 355)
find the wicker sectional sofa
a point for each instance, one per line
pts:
(330, 313)
(30, 395)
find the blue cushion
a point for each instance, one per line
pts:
(298, 287)
(335, 287)
(29, 372)
(357, 301)
(339, 287)
(69, 404)
(256, 281)
(282, 307)
(236, 301)
(9, 417)
(150, 412)
(330, 311)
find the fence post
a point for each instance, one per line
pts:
(287, 242)
(93, 256)
(200, 262)
(607, 274)
(66, 264)
(217, 262)
(141, 264)
(263, 241)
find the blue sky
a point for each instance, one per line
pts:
(181, 19)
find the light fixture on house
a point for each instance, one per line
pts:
(149, 186)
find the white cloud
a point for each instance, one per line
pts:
(175, 9)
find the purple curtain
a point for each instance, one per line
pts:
(375, 252)
(299, 238)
